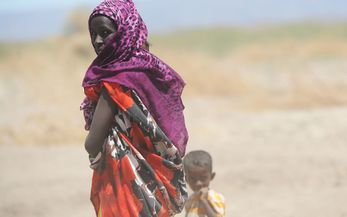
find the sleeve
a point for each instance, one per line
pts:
(88, 108)
(89, 104)
(217, 202)
(92, 93)
(119, 95)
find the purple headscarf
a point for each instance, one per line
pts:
(124, 61)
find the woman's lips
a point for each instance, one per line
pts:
(99, 49)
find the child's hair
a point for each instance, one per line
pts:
(198, 158)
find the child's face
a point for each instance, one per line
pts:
(199, 177)
(101, 29)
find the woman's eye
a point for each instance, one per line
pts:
(105, 33)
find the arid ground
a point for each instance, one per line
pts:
(269, 104)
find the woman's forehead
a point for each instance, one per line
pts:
(101, 20)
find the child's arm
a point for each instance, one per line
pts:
(102, 120)
(204, 201)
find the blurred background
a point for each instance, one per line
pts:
(266, 95)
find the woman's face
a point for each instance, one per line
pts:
(101, 29)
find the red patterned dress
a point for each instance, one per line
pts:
(139, 172)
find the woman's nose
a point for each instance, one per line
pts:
(98, 39)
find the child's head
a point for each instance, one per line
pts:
(198, 169)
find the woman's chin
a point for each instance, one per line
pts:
(99, 50)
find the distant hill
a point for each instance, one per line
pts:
(49, 18)
(222, 39)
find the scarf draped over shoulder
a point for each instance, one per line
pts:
(126, 62)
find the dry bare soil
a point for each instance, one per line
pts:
(269, 104)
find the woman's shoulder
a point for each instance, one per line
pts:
(120, 95)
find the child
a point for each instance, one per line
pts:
(204, 201)
(134, 114)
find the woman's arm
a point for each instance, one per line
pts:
(102, 120)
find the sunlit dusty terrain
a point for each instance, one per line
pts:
(269, 103)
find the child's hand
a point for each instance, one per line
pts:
(203, 193)
(207, 205)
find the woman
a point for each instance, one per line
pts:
(134, 114)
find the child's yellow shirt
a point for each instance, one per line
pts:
(194, 208)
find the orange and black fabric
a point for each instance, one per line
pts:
(139, 171)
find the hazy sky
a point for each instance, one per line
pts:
(12, 6)
(46, 17)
